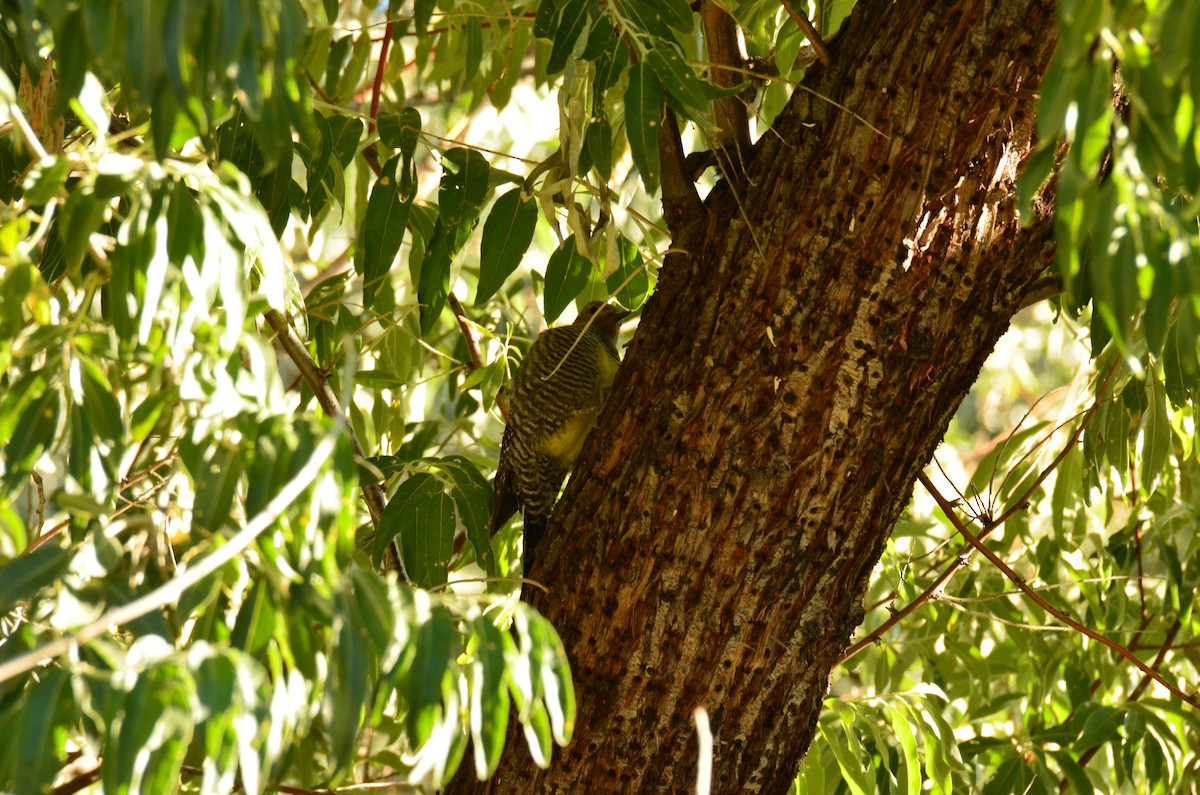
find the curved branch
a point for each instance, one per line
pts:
(681, 203)
(720, 37)
(372, 492)
(960, 560)
(1037, 599)
(377, 88)
(171, 591)
(464, 325)
(813, 36)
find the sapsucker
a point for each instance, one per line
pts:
(553, 400)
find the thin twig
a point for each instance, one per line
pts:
(171, 591)
(372, 492)
(817, 42)
(1134, 694)
(85, 779)
(377, 89)
(190, 770)
(1137, 534)
(960, 560)
(464, 325)
(1037, 599)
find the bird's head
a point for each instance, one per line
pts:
(602, 318)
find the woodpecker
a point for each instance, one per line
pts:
(553, 400)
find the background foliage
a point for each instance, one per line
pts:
(187, 590)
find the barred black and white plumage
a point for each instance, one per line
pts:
(553, 400)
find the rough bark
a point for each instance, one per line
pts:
(806, 348)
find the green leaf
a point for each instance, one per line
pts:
(433, 282)
(350, 674)
(472, 496)
(679, 79)
(81, 216)
(546, 21)
(612, 58)
(557, 685)
(1181, 369)
(382, 231)
(410, 135)
(507, 234)
(421, 515)
(911, 766)
(34, 430)
(652, 20)
(340, 136)
(939, 743)
(217, 694)
(1012, 776)
(71, 62)
(1156, 435)
(1100, 726)
(598, 144)
(153, 729)
(144, 21)
(489, 705)
(566, 275)
(147, 414)
(100, 403)
(629, 281)
(356, 68)
(537, 734)
(1067, 484)
(255, 621)
(378, 614)
(427, 680)
(27, 574)
(474, 37)
(216, 469)
(40, 742)
(849, 754)
(572, 19)
(643, 115)
(464, 190)
(1073, 773)
(1116, 435)
(676, 13)
(391, 129)
(46, 180)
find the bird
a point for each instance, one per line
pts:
(553, 400)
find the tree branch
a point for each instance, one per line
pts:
(372, 492)
(817, 42)
(1037, 599)
(1039, 291)
(720, 36)
(173, 589)
(464, 325)
(377, 88)
(681, 203)
(960, 560)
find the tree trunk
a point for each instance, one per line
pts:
(807, 346)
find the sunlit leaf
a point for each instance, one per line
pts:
(507, 234)
(566, 276)
(421, 515)
(643, 116)
(382, 230)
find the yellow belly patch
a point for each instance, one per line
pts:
(564, 446)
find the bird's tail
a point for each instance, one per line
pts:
(535, 529)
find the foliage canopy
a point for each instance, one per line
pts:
(189, 588)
